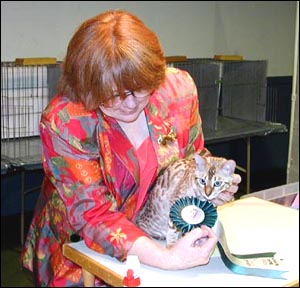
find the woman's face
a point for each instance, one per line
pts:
(128, 109)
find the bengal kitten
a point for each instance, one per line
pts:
(201, 177)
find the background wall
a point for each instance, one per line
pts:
(255, 29)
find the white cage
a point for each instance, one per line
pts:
(25, 92)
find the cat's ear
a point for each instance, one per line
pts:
(200, 162)
(228, 167)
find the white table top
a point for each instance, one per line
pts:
(216, 274)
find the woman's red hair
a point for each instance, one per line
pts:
(111, 52)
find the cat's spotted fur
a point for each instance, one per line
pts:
(202, 177)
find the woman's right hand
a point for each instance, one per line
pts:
(193, 249)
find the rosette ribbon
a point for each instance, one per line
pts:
(188, 213)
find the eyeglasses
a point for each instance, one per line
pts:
(116, 101)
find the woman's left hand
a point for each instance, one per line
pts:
(228, 195)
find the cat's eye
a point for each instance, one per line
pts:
(202, 181)
(217, 183)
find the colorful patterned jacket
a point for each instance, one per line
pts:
(92, 175)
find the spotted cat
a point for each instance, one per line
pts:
(201, 177)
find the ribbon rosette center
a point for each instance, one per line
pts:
(188, 213)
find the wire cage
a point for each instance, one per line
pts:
(25, 92)
(236, 89)
(244, 89)
(206, 76)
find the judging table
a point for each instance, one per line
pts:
(22, 155)
(254, 231)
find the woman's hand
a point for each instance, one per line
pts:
(193, 249)
(228, 195)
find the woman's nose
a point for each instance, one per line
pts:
(130, 101)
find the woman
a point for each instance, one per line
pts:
(101, 150)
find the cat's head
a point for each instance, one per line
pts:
(213, 175)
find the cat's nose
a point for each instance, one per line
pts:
(208, 190)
